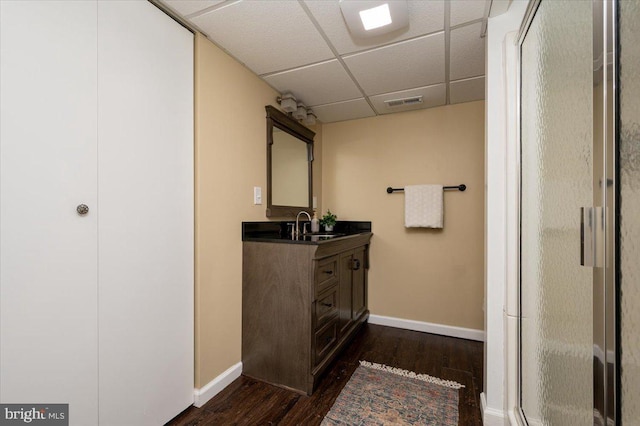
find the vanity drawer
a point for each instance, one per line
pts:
(326, 306)
(326, 274)
(326, 339)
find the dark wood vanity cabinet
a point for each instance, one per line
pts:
(301, 304)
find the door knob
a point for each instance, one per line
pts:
(82, 209)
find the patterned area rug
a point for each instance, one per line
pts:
(380, 395)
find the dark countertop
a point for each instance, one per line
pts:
(279, 232)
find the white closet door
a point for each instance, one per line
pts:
(48, 253)
(145, 144)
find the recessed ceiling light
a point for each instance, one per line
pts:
(370, 18)
(375, 17)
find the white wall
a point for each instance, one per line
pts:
(501, 209)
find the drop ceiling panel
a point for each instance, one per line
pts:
(303, 47)
(425, 17)
(431, 96)
(413, 63)
(466, 52)
(317, 84)
(471, 89)
(348, 110)
(188, 7)
(466, 10)
(267, 36)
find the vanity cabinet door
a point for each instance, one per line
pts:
(353, 287)
(359, 283)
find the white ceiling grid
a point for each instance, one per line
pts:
(304, 47)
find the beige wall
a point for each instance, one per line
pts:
(418, 274)
(230, 159)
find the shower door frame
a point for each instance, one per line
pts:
(608, 380)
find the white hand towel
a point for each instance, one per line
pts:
(423, 206)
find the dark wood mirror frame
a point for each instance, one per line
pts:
(277, 118)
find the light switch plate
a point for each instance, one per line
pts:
(257, 195)
(315, 202)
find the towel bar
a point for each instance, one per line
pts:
(461, 187)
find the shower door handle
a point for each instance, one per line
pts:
(592, 236)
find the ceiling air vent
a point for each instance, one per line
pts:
(394, 103)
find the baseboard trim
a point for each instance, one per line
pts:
(211, 389)
(427, 327)
(491, 416)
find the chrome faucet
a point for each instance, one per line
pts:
(297, 220)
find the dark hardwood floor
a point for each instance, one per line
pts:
(251, 402)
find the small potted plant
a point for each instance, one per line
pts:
(328, 221)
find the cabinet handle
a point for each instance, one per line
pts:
(330, 272)
(328, 305)
(356, 264)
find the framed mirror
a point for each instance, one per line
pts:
(289, 165)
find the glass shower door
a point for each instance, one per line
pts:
(562, 164)
(580, 226)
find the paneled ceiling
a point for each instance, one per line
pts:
(305, 48)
